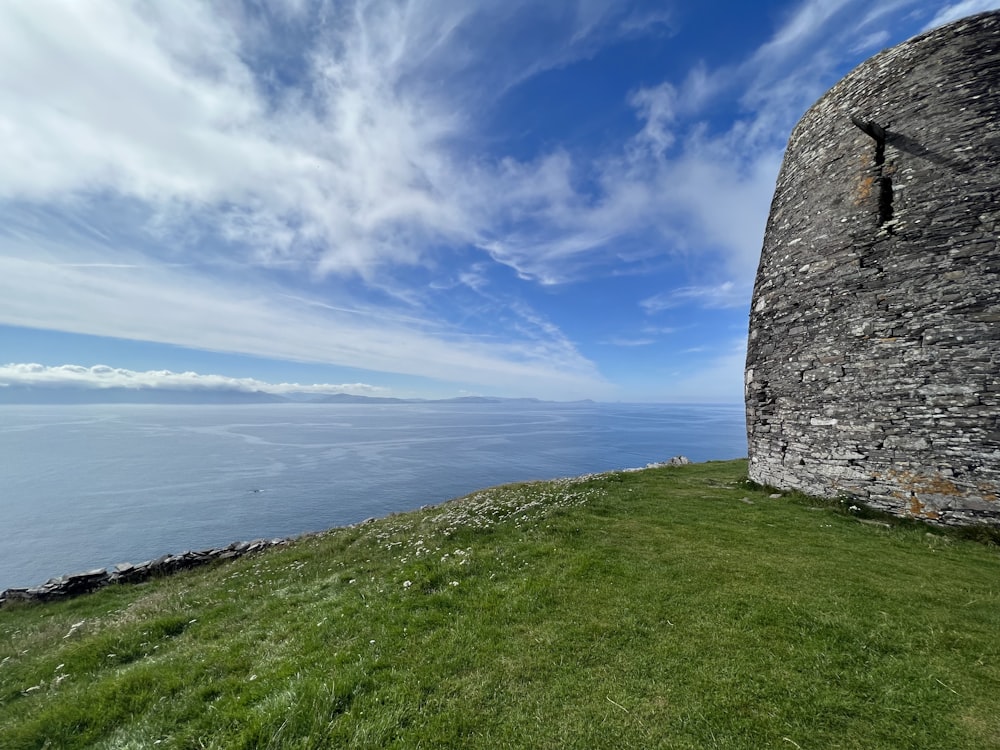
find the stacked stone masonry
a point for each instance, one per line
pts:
(873, 363)
(75, 584)
(64, 587)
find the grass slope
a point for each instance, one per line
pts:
(669, 608)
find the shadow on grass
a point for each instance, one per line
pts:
(853, 507)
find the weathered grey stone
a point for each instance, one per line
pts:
(81, 583)
(873, 359)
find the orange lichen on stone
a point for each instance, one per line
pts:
(865, 189)
(926, 484)
(986, 494)
(917, 509)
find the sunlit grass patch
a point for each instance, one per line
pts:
(672, 607)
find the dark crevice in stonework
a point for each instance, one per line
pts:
(885, 194)
(885, 197)
(874, 131)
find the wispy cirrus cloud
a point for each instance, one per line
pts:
(357, 161)
(322, 181)
(313, 140)
(709, 191)
(159, 103)
(629, 342)
(954, 11)
(726, 294)
(677, 186)
(157, 304)
(718, 378)
(365, 158)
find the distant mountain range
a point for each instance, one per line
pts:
(17, 394)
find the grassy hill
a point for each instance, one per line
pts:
(672, 607)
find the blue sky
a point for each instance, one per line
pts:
(553, 199)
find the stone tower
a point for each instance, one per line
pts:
(873, 362)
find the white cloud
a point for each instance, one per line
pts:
(726, 294)
(871, 42)
(642, 22)
(355, 165)
(659, 330)
(658, 107)
(172, 305)
(629, 342)
(354, 168)
(676, 188)
(805, 24)
(102, 376)
(709, 199)
(719, 379)
(158, 103)
(345, 145)
(358, 164)
(959, 10)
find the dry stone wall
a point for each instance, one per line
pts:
(873, 364)
(75, 584)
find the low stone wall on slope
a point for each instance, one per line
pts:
(83, 583)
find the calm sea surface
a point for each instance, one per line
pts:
(90, 486)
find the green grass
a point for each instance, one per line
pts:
(675, 608)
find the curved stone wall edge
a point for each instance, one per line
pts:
(873, 361)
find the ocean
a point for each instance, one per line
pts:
(85, 487)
